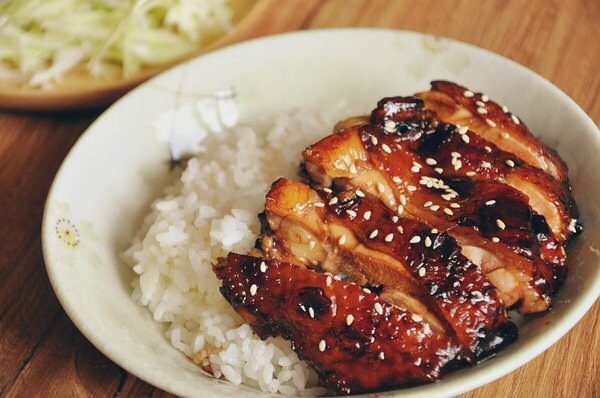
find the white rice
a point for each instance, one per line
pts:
(211, 210)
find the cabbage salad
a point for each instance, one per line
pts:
(41, 40)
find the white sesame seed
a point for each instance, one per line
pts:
(342, 240)
(500, 224)
(415, 169)
(416, 317)
(427, 241)
(448, 211)
(431, 161)
(482, 111)
(463, 130)
(468, 93)
(504, 109)
(327, 190)
(322, 345)
(434, 231)
(367, 215)
(380, 187)
(505, 135)
(333, 200)
(379, 308)
(480, 103)
(434, 208)
(366, 290)
(487, 149)
(319, 204)
(389, 237)
(337, 278)
(381, 355)
(386, 148)
(311, 312)
(415, 239)
(470, 173)
(466, 138)
(395, 218)
(495, 239)
(455, 205)
(455, 154)
(572, 226)
(490, 202)
(486, 165)
(351, 213)
(411, 188)
(349, 319)
(263, 267)
(439, 170)
(447, 197)
(490, 122)
(312, 244)
(359, 193)
(253, 290)
(515, 119)
(374, 140)
(373, 234)
(509, 163)
(403, 199)
(484, 98)
(328, 280)
(389, 126)
(428, 203)
(400, 229)
(400, 209)
(352, 168)
(397, 179)
(422, 272)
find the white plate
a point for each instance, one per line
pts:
(106, 183)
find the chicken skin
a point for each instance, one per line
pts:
(418, 269)
(356, 341)
(493, 237)
(457, 105)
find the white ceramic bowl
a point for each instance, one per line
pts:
(106, 183)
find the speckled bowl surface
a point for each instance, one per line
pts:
(109, 178)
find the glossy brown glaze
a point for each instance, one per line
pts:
(382, 164)
(458, 155)
(458, 105)
(458, 289)
(356, 341)
(350, 227)
(445, 146)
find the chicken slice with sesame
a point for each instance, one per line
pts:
(418, 269)
(340, 329)
(377, 161)
(457, 105)
(458, 152)
(295, 230)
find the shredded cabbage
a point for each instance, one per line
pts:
(41, 40)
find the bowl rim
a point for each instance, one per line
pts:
(517, 359)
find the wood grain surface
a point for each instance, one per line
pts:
(43, 354)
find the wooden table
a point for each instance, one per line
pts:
(42, 353)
